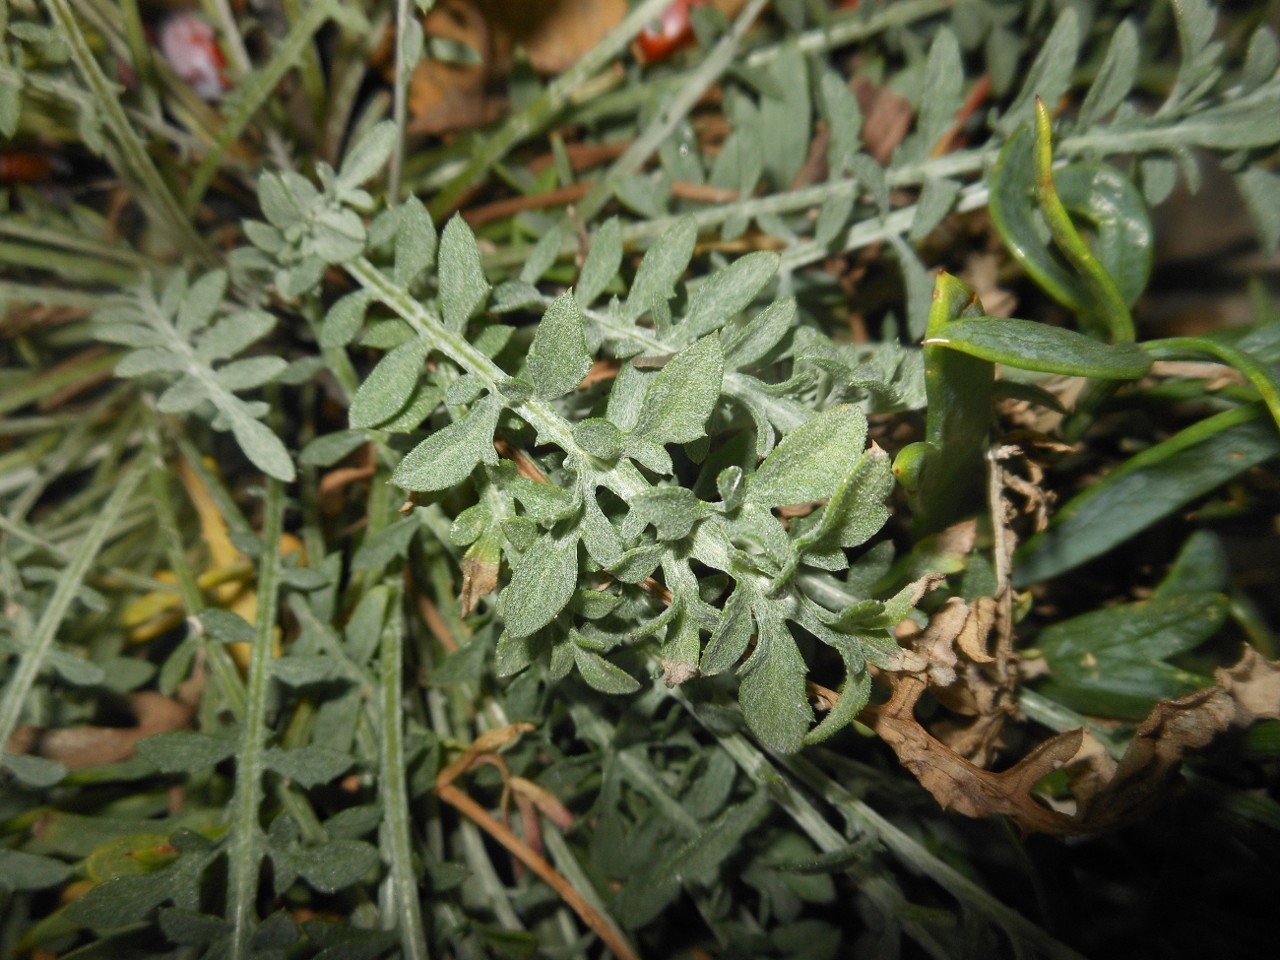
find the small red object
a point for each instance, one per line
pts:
(189, 45)
(25, 166)
(670, 33)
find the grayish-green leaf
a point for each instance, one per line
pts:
(604, 258)
(543, 255)
(463, 288)
(663, 264)
(37, 772)
(363, 160)
(185, 751)
(602, 675)
(448, 456)
(27, 872)
(389, 385)
(728, 292)
(232, 334)
(263, 448)
(558, 359)
(772, 690)
(309, 766)
(1115, 77)
(415, 242)
(543, 580)
(810, 461)
(326, 450)
(682, 396)
(746, 348)
(249, 373)
(201, 302)
(1261, 191)
(936, 200)
(1050, 74)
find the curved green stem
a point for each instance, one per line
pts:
(1108, 316)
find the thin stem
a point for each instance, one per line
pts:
(244, 851)
(394, 789)
(400, 102)
(31, 659)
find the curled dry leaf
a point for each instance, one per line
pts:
(1106, 797)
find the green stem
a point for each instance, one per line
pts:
(69, 266)
(145, 182)
(1194, 348)
(244, 849)
(544, 109)
(32, 657)
(394, 789)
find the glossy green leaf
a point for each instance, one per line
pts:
(463, 288)
(558, 359)
(448, 456)
(1148, 487)
(542, 583)
(389, 385)
(1029, 345)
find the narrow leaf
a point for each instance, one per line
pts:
(602, 263)
(1030, 345)
(415, 242)
(663, 264)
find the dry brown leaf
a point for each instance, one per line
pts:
(479, 579)
(79, 747)
(887, 117)
(1107, 794)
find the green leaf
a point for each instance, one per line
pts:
(663, 264)
(1029, 345)
(36, 772)
(671, 510)
(224, 626)
(415, 242)
(309, 766)
(344, 319)
(27, 872)
(598, 437)
(389, 385)
(600, 674)
(332, 866)
(728, 292)
(602, 264)
(325, 451)
(463, 288)
(1201, 566)
(683, 394)
(448, 456)
(542, 583)
(1115, 77)
(185, 751)
(543, 256)
(558, 359)
(363, 160)
(810, 461)
(1148, 487)
(745, 349)
(1050, 75)
(1108, 661)
(771, 687)
(943, 95)
(263, 448)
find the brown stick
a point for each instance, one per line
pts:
(481, 817)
